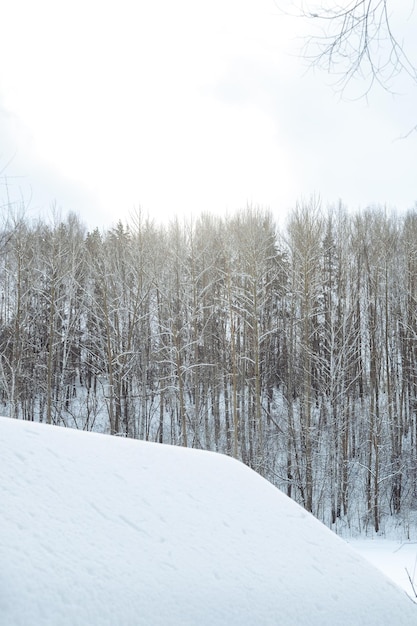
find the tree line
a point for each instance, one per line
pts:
(292, 349)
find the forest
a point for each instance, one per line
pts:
(291, 348)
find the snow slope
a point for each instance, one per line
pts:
(96, 531)
(394, 558)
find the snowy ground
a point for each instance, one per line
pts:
(97, 530)
(394, 558)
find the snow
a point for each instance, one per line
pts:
(394, 558)
(96, 530)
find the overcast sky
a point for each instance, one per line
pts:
(186, 106)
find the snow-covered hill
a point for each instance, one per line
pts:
(96, 531)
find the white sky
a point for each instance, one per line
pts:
(186, 106)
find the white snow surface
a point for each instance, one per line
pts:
(397, 559)
(96, 530)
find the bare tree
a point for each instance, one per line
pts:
(359, 38)
(294, 353)
(304, 240)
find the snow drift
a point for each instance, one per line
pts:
(96, 531)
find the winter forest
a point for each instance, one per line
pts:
(290, 348)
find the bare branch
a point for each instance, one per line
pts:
(357, 39)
